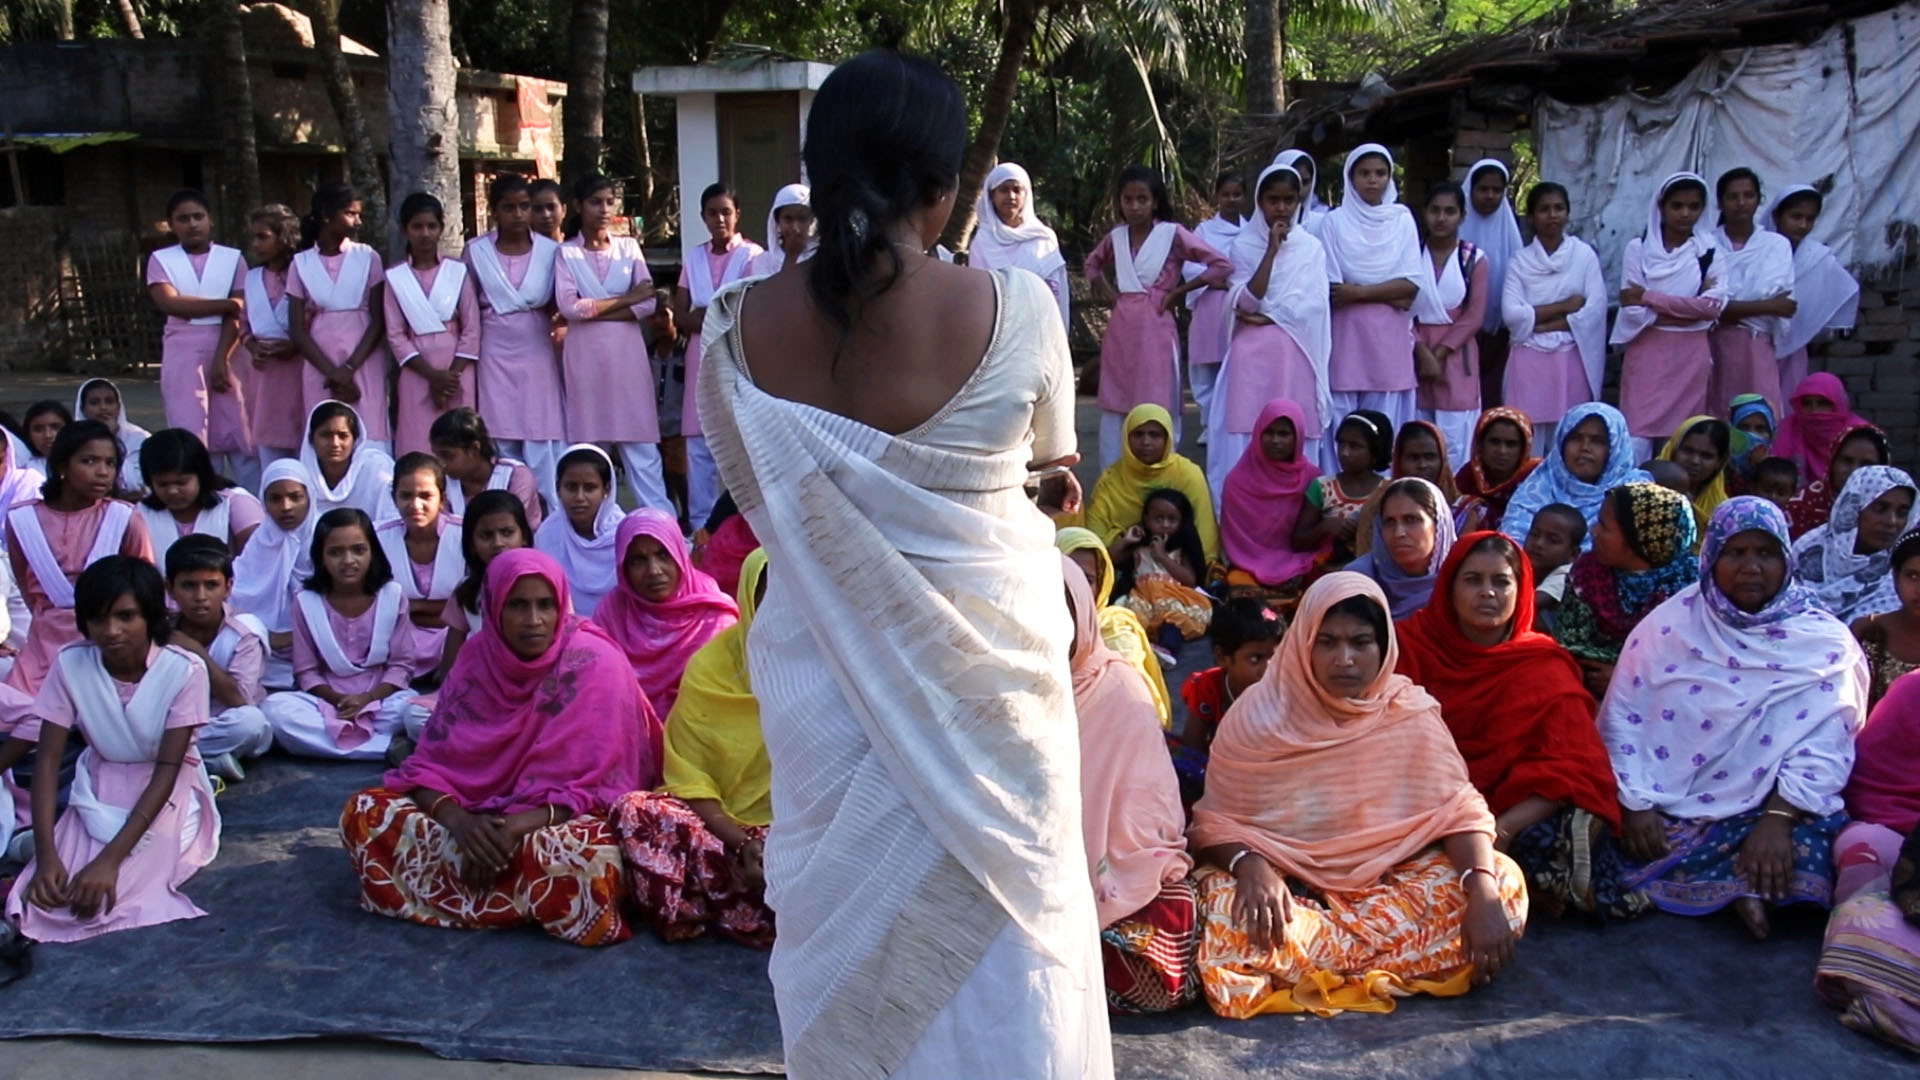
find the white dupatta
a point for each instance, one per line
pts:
(1370, 243)
(1030, 245)
(127, 734)
(388, 604)
(700, 283)
(1760, 269)
(1538, 278)
(348, 292)
(623, 255)
(427, 313)
(1828, 297)
(1296, 300)
(164, 528)
(592, 566)
(46, 569)
(1648, 263)
(449, 563)
(233, 629)
(266, 574)
(1497, 235)
(214, 282)
(265, 319)
(497, 480)
(367, 484)
(1136, 271)
(534, 291)
(774, 259)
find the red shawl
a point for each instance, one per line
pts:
(1472, 478)
(1518, 710)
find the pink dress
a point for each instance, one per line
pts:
(1140, 352)
(461, 339)
(1663, 379)
(336, 329)
(1743, 363)
(519, 376)
(520, 483)
(186, 356)
(717, 275)
(184, 836)
(608, 377)
(1458, 387)
(355, 636)
(1268, 365)
(70, 536)
(1545, 384)
(275, 398)
(1372, 350)
(238, 513)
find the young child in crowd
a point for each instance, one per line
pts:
(231, 645)
(99, 399)
(1364, 446)
(1776, 480)
(423, 547)
(725, 258)
(1553, 542)
(275, 562)
(1161, 566)
(41, 422)
(580, 538)
(1244, 635)
(474, 463)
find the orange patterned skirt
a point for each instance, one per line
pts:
(1149, 954)
(566, 878)
(1357, 950)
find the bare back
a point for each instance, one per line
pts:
(910, 350)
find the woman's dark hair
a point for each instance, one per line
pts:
(1378, 431)
(197, 551)
(583, 189)
(68, 443)
(1907, 547)
(1367, 610)
(1156, 186)
(1420, 491)
(1732, 176)
(326, 411)
(1242, 621)
(1502, 545)
(1685, 184)
(177, 450)
(541, 185)
(379, 570)
(1231, 176)
(419, 461)
(1717, 432)
(1282, 175)
(1448, 187)
(421, 203)
(584, 457)
(484, 505)
(462, 427)
(1818, 200)
(1474, 176)
(716, 190)
(1783, 468)
(723, 508)
(511, 183)
(1543, 189)
(329, 198)
(87, 388)
(1185, 539)
(283, 221)
(184, 196)
(102, 584)
(43, 408)
(1883, 452)
(884, 138)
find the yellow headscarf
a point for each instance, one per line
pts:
(1709, 500)
(1120, 628)
(1122, 490)
(714, 749)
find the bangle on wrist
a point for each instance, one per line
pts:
(1790, 815)
(1233, 863)
(1472, 870)
(434, 810)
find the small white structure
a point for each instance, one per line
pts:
(740, 121)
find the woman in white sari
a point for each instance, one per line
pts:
(875, 418)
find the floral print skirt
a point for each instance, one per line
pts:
(684, 880)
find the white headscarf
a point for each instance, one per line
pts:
(1850, 585)
(1030, 245)
(1497, 235)
(1828, 297)
(1537, 278)
(19, 481)
(266, 574)
(368, 483)
(1368, 244)
(1296, 298)
(592, 566)
(132, 436)
(1311, 208)
(774, 258)
(1761, 269)
(1675, 272)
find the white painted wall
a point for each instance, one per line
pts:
(699, 143)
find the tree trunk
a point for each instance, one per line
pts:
(1015, 38)
(363, 168)
(582, 118)
(1266, 72)
(63, 20)
(240, 156)
(642, 161)
(423, 123)
(129, 18)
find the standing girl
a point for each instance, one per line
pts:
(791, 237)
(433, 325)
(99, 399)
(1446, 351)
(266, 575)
(189, 498)
(1206, 341)
(1312, 211)
(274, 407)
(1490, 226)
(1140, 352)
(1378, 274)
(1671, 295)
(1825, 296)
(1011, 233)
(338, 315)
(343, 468)
(603, 287)
(1757, 267)
(353, 649)
(581, 537)
(1555, 308)
(423, 547)
(519, 372)
(200, 286)
(141, 819)
(474, 463)
(724, 259)
(74, 525)
(547, 211)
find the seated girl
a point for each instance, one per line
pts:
(1363, 445)
(41, 422)
(496, 522)
(1522, 720)
(1412, 534)
(1848, 562)
(343, 467)
(1594, 455)
(232, 647)
(1703, 446)
(499, 818)
(662, 610)
(1120, 628)
(1244, 634)
(268, 574)
(1818, 418)
(141, 817)
(1260, 504)
(76, 524)
(1729, 782)
(1892, 639)
(694, 848)
(580, 537)
(423, 547)
(1642, 554)
(1347, 860)
(352, 648)
(1161, 569)
(1149, 462)
(186, 498)
(1133, 825)
(1813, 505)
(463, 445)
(99, 400)
(1500, 460)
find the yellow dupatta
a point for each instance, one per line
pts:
(1705, 503)
(1120, 628)
(714, 749)
(1122, 490)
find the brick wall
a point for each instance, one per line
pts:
(33, 253)
(1880, 360)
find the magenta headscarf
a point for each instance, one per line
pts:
(660, 638)
(1809, 439)
(1885, 786)
(569, 728)
(1260, 500)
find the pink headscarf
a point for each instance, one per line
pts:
(567, 728)
(1131, 818)
(1885, 786)
(1260, 501)
(661, 638)
(1809, 439)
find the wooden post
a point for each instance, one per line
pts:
(13, 168)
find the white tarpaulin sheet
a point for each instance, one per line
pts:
(1791, 113)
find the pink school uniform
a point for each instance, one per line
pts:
(48, 550)
(1452, 402)
(1549, 372)
(605, 368)
(187, 347)
(336, 290)
(352, 655)
(1744, 361)
(435, 580)
(242, 730)
(276, 408)
(518, 379)
(721, 269)
(435, 315)
(237, 513)
(1825, 295)
(513, 477)
(123, 724)
(1206, 331)
(1663, 379)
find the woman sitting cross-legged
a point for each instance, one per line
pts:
(1350, 861)
(499, 817)
(1731, 721)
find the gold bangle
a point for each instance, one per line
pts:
(1790, 815)
(434, 810)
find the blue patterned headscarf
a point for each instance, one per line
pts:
(1552, 483)
(1745, 513)
(1744, 443)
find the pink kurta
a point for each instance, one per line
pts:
(355, 636)
(184, 836)
(1203, 331)
(1544, 385)
(247, 666)
(519, 376)
(416, 406)
(275, 398)
(70, 536)
(1140, 352)
(608, 377)
(716, 266)
(244, 513)
(1372, 349)
(337, 333)
(1458, 387)
(520, 484)
(1663, 379)
(1268, 365)
(1743, 363)
(186, 357)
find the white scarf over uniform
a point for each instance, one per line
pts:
(1497, 235)
(1368, 243)
(535, 289)
(774, 259)
(348, 292)
(1536, 279)
(449, 562)
(592, 566)
(1296, 298)
(276, 561)
(1312, 211)
(266, 320)
(1030, 245)
(1760, 269)
(215, 282)
(129, 733)
(1218, 233)
(368, 482)
(427, 312)
(1648, 263)
(1828, 297)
